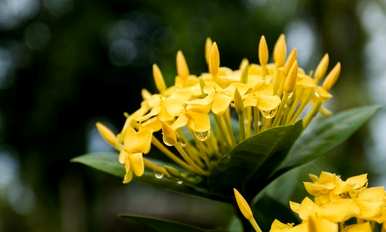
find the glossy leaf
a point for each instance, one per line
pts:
(324, 135)
(105, 162)
(252, 159)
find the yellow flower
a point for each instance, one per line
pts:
(195, 115)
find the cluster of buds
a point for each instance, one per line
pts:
(201, 118)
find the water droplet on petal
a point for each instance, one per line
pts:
(167, 141)
(159, 175)
(202, 136)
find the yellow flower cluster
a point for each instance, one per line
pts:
(338, 205)
(203, 117)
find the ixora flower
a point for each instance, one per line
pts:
(201, 118)
(336, 203)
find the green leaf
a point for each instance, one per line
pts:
(325, 135)
(167, 225)
(105, 162)
(108, 162)
(252, 160)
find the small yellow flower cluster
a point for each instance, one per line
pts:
(196, 115)
(338, 205)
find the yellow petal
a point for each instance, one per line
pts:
(306, 208)
(168, 135)
(123, 157)
(158, 79)
(106, 134)
(199, 122)
(268, 103)
(138, 141)
(358, 181)
(182, 66)
(362, 227)
(220, 103)
(128, 173)
(180, 122)
(339, 210)
(243, 205)
(278, 226)
(316, 224)
(322, 94)
(370, 201)
(214, 59)
(322, 68)
(332, 77)
(263, 51)
(137, 164)
(152, 124)
(280, 51)
(316, 189)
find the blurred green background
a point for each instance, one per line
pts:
(65, 64)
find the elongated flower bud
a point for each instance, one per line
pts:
(291, 59)
(280, 51)
(243, 205)
(182, 66)
(322, 68)
(107, 134)
(263, 51)
(332, 77)
(158, 78)
(290, 80)
(244, 71)
(208, 46)
(214, 59)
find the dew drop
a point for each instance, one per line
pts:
(167, 141)
(202, 136)
(159, 175)
(180, 182)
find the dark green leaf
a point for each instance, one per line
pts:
(252, 159)
(167, 225)
(105, 162)
(325, 135)
(108, 162)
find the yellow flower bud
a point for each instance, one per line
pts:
(208, 46)
(280, 51)
(107, 134)
(263, 51)
(291, 59)
(290, 80)
(245, 209)
(182, 66)
(214, 59)
(322, 68)
(158, 78)
(244, 71)
(332, 77)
